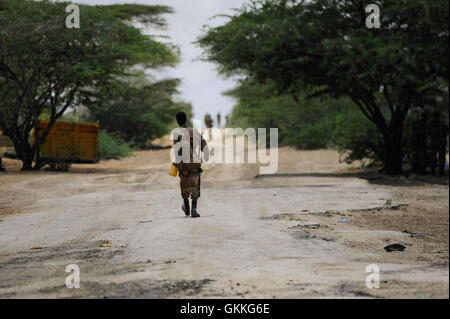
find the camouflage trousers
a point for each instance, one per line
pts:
(190, 183)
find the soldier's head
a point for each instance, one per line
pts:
(181, 118)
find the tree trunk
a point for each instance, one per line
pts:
(27, 162)
(393, 155)
(37, 146)
(26, 152)
(27, 157)
(23, 150)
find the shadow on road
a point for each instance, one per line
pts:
(406, 179)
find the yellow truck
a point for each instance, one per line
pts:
(70, 142)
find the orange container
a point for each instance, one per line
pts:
(173, 171)
(69, 141)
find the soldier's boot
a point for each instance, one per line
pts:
(186, 209)
(194, 213)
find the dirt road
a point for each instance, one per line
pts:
(268, 237)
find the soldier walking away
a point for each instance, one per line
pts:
(438, 132)
(190, 172)
(419, 142)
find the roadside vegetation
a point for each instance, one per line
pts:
(112, 146)
(369, 80)
(47, 70)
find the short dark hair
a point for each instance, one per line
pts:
(181, 118)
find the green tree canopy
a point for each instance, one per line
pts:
(311, 126)
(139, 111)
(45, 66)
(325, 44)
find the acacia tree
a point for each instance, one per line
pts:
(138, 111)
(47, 67)
(325, 45)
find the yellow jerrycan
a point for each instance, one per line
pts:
(173, 171)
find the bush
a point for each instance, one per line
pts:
(357, 138)
(138, 113)
(111, 146)
(305, 123)
(314, 123)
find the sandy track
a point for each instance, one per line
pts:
(258, 237)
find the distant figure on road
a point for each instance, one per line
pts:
(438, 132)
(219, 120)
(419, 142)
(209, 125)
(208, 121)
(190, 171)
(227, 120)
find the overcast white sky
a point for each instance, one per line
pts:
(201, 84)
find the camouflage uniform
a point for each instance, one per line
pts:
(190, 173)
(190, 183)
